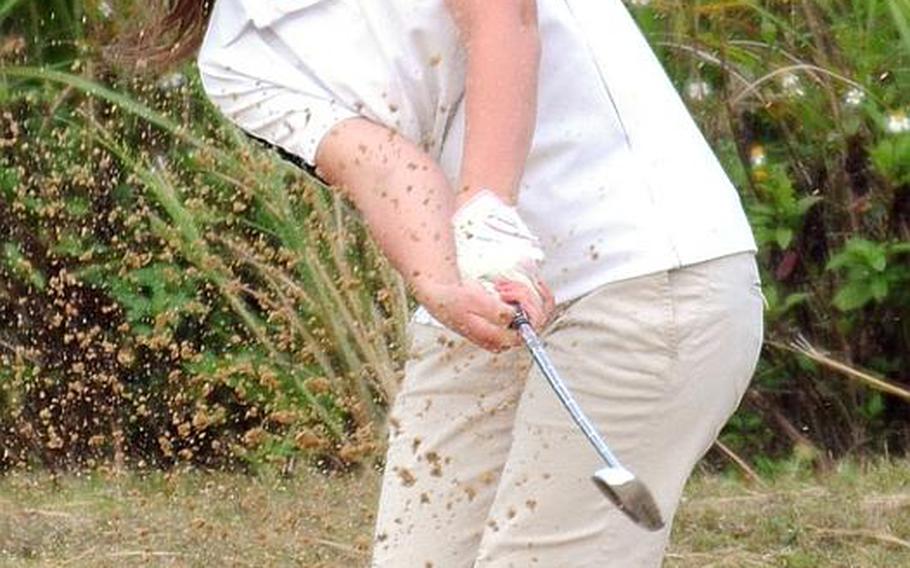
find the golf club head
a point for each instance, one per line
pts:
(630, 496)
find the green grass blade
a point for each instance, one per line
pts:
(900, 11)
(8, 7)
(98, 90)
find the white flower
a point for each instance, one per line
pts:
(106, 9)
(792, 85)
(172, 81)
(854, 97)
(757, 156)
(898, 122)
(698, 90)
(639, 2)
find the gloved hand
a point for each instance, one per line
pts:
(495, 247)
(492, 242)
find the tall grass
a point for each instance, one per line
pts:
(170, 292)
(263, 319)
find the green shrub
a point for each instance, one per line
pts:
(806, 104)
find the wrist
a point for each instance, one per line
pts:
(427, 290)
(486, 220)
(469, 193)
(480, 206)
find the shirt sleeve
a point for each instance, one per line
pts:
(292, 120)
(262, 80)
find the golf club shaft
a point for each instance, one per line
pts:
(532, 342)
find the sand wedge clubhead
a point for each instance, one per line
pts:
(616, 482)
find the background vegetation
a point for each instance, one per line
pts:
(806, 103)
(171, 293)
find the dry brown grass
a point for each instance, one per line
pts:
(186, 519)
(853, 517)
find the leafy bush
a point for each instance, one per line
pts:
(806, 103)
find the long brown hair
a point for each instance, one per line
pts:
(174, 34)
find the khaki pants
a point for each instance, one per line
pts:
(486, 469)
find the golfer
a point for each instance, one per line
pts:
(514, 152)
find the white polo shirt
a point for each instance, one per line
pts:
(619, 181)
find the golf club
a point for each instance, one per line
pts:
(619, 484)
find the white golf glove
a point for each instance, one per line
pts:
(492, 242)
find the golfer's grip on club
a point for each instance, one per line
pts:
(496, 248)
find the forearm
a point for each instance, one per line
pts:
(402, 195)
(407, 204)
(503, 50)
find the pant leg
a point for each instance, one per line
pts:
(450, 430)
(659, 363)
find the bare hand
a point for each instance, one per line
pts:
(539, 305)
(478, 315)
(472, 311)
